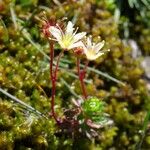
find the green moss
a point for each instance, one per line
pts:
(24, 73)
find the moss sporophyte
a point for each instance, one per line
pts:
(68, 39)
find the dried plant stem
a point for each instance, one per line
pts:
(81, 74)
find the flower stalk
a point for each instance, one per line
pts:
(81, 74)
(53, 76)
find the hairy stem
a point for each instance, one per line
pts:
(81, 74)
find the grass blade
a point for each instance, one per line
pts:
(31, 109)
(145, 124)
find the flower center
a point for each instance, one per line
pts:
(67, 40)
(91, 52)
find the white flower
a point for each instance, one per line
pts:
(92, 50)
(68, 39)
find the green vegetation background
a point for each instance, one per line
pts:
(24, 73)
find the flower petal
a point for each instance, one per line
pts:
(98, 55)
(89, 42)
(93, 56)
(79, 36)
(98, 46)
(85, 50)
(69, 28)
(56, 33)
(77, 44)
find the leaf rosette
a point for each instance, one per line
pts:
(93, 107)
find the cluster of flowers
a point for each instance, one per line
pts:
(90, 110)
(70, 39)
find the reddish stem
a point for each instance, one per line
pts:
(81, 74)
(51, 58)
(52, 79)
(53, 76)
(57, 64)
